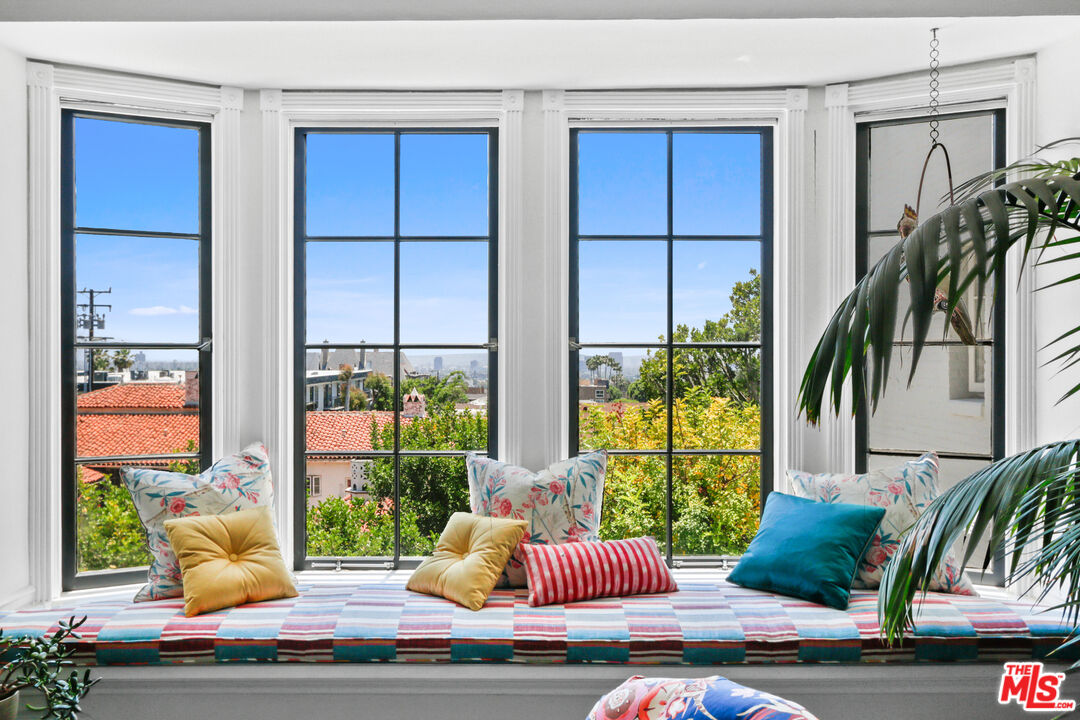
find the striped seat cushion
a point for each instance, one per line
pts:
(583, 570)
(371, 617)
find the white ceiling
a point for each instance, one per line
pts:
(218, 10)
(532, 53)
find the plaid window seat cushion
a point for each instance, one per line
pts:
(704, 623)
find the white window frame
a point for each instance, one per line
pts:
(285, 110)
(785, 111)
(1008, 84)
(52, 89)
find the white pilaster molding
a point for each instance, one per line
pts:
(227, 270)
(1021, 349)
(839, 246)
(511, 279)
(277, 264)
(44, 386)
(556, 280)
(789, 246)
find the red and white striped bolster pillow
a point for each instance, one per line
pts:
(581, 570)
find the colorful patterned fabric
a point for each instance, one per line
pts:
(236, 482)
(706, 622)
(561, 504)
(710, 698)
(585, 570)
(904, 491)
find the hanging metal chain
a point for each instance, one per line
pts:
(935, 85)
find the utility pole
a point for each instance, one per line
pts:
(87, 317)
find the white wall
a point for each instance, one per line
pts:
(14, 361)
(1057, 309)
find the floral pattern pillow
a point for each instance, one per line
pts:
(904, 491)
(709, 698)
(237, 482)
(561, 503)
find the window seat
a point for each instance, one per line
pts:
(370, 617)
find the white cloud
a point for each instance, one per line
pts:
(701, 265)
(163, 310)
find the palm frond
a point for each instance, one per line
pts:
(1030, 501)
(963, 246)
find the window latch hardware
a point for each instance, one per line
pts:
(205, 344)
(492, 345)
(574, 344)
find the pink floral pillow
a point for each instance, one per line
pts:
(236, 482)
(561, 503)
(904, 491)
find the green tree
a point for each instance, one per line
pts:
(731, 372)
(122, 360)
(339, 527)
(431, 487)
(441, 393)
(603, 365)
(381, 390)
(357, 399)
(109, 534)
(345, 374)
(101, 361)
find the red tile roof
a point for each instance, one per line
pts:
(101, 434)
(135, 396)
(329, 430)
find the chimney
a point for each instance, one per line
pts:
(324, 361)
(363, 356)
(414, 405)
(191, 389)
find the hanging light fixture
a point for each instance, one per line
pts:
(960, 320)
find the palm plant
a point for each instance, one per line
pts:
(1031, 500)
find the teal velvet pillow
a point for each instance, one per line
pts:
(807, 549)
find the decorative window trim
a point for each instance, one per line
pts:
(1008, 84)
(285, 110)
(53, 88)
(785, 111)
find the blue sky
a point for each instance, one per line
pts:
(144, 177)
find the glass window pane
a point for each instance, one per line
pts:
(634, 498)
(715, 504)
(136, 176)
(350, 292)
(432, 489)
(978, 320)
(621, 399)
(108, 531)
(349, 399)
(716, 292)
(622, 183)
(444, 292)
(350, 184)
(136, 402)
(445, 408)
(444, 184)
(716, 182)
(717, 399)
(948, 407)
(897, 153)
(622, 290)
(353, 516)
(151, 284)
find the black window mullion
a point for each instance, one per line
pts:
(669, 385)
(68, 374)
(300, 349)
(397, 348)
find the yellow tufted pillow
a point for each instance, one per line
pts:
(228, 560)
(471, 553)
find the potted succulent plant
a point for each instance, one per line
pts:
(38, 664)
